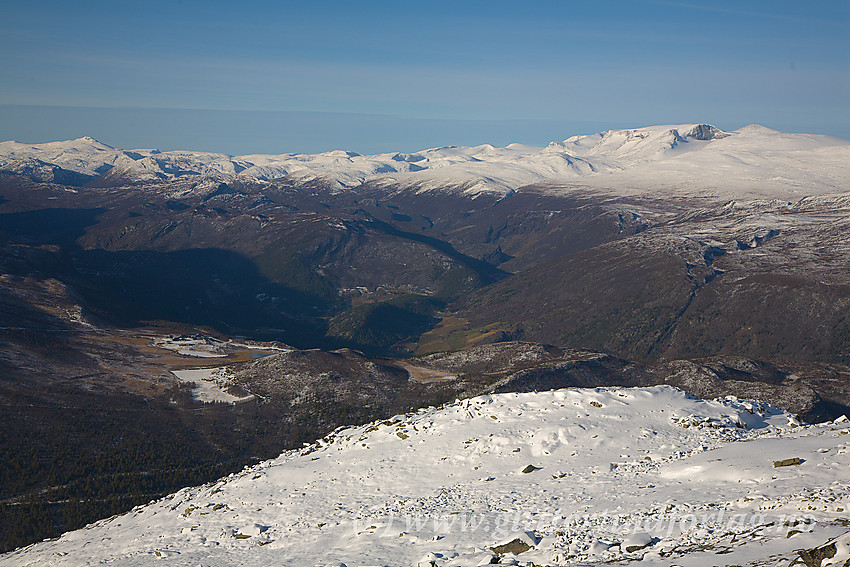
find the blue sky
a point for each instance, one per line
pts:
(379, 76)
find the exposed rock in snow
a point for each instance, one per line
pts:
(835, 552)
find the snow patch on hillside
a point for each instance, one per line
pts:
(209, 385)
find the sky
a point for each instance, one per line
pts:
(375, 76)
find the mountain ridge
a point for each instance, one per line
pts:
(686, 150)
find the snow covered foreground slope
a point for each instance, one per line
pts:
(753, 160)
(561, 478)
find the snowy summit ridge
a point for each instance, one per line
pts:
(565, 477)
(680, 157)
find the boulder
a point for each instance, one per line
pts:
(834, 553)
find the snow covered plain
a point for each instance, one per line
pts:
(751, 161)
(565, 477)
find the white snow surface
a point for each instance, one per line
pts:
(750, 161)
(616, 474)
(209, 385)
(192, 346)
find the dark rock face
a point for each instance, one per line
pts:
(515, 546)
(815, 557)
(41, 172)
(704, 132)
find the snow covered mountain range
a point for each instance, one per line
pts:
(397, 281)
(565, 477)
(675, 158)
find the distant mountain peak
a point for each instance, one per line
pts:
(757, 128)
(88, 140)
(705, 132)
